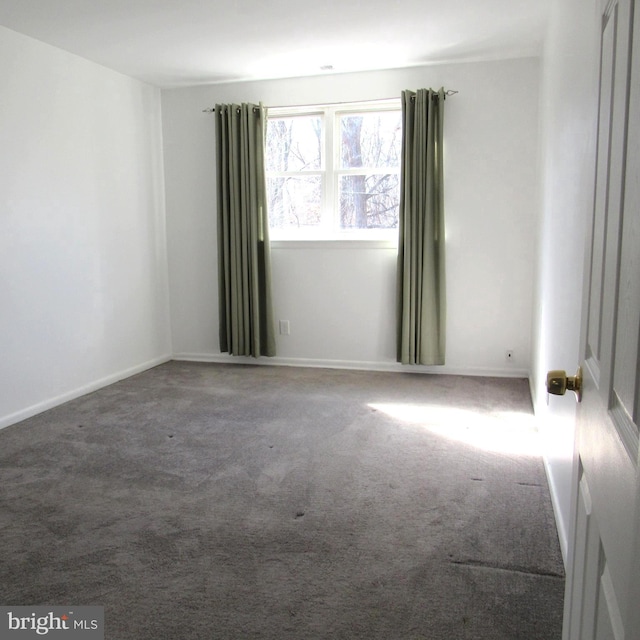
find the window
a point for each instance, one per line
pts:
(334, 171)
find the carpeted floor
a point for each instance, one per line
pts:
(256, 502)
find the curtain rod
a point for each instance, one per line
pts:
(449, 92)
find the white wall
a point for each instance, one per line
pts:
(83, 276)
(339, 299)
(569, 112)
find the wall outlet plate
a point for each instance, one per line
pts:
(285, 328)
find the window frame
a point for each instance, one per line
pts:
(331, 172)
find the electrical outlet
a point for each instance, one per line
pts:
(285, 328)
(508, 355)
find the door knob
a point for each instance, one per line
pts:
(558, 382)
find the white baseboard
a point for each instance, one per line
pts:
(563, 535)
(354, 364)
(50, 403)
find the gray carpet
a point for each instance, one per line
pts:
(231, 501)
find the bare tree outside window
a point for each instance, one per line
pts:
(294, 148)
(370, 145)
(345, 181)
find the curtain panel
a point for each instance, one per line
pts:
(421, 304)
(244, 261)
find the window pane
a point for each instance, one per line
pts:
(294, 143)
(294, 202)
(370, 140)
(369, 201)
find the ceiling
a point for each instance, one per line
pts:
(171, 43)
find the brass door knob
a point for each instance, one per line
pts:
(558, 383)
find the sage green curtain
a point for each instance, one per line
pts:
(244, 263)
(421, 309)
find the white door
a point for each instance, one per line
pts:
(603, 583)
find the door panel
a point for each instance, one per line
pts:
(606, 492)
(625, 377)
(581, 603)
(610, 624)
(632, 230)
(599, 236)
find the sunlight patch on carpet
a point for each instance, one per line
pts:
(505, 432)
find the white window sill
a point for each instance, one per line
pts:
(335, 242)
